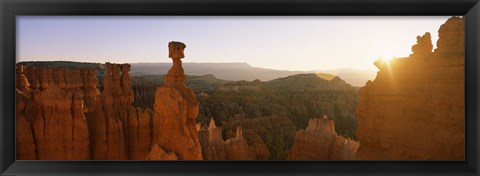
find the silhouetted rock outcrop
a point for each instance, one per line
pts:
(414, 109)
(320, 142)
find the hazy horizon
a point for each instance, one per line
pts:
(166, 62)
(281, 43)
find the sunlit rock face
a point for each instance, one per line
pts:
(320, 142)
(62, 114)
(50, 113)
(414, 109)
(178, 108)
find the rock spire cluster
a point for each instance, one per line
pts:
(66, 113)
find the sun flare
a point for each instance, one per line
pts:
(387, 58)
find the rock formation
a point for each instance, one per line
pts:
(178, 108)
(158, 153)
(414, 109)
(214, 146)
(236, 148)
(108, 120)
(275, 132)
(423, 47)
(320, 142)
(62, 114)
(144, 94)
(25, 141)
(50, 113)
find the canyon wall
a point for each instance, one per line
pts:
(320, 141)
(62, 114)
(50, 113)
(414, 109)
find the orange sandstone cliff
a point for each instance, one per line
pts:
(414, 109)
(320, 141)
(51, 103)
(62, 114)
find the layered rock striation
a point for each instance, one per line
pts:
(144, 94)
(414, 109)
(320, 141)
(51, 103)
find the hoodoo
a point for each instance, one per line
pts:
(62, 114)
(320, 141)
(178, 108)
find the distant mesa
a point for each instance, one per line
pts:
(243, 71)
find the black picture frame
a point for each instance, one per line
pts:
(9, 9)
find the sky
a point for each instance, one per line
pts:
(300, 43)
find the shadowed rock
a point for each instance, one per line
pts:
(320, 142)
(414, 109)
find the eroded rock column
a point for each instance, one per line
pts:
(178, 108)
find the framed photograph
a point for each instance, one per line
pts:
(239, 87)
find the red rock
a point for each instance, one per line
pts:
(25, 142)
(51, 117)
(144, 94)
(236, 148)
(157, 153)
(320, 141)
(61, 114)
(213, 146)
(178, 109)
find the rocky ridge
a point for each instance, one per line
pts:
(414, 109)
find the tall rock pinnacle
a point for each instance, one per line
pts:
(178, 108)
(175, 76)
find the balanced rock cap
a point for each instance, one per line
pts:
(175, 50)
